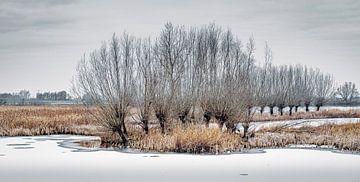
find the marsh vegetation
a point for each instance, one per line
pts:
(190, 138)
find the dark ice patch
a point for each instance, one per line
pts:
(26, 138)
(23, 147)
(151, 156)
(18, 144)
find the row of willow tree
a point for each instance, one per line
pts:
(183, 70)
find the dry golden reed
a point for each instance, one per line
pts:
(344, 137)
(46, 120)
(188, 139)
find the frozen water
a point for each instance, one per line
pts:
(53, 158)
(311, 108)
(298, 123)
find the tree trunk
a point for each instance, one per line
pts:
(182, 119)
(221, 124)
(207, 123)
(246, 130)
(146, 126)
(262, 109)
(281, 111)
(124, 138)
(318, 108)
(271, 110)
(124, 128)
(296, 108)
(162, 126)
(192, 116)
(230, 126)
(307, 107)
(161, 117)
(290, 110)
(120, 128)
(207, 117)
(222, 119)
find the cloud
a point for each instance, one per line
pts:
(43, 39)
(22, 15)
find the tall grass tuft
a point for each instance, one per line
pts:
(182, 139)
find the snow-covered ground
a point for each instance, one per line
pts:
(311, 108)
(300, 123)
(53, 158)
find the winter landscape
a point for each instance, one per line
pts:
(179, 91)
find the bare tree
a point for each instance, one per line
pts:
(225, 77)
(263, 74)
(187, 70)
(282, 87)
(249, 77)
(298, 89)
(273, 89)
(209, 55)
(170, 56)
(293, 89)
(145, 81)
(107, 78)
(249, 91)
(24, 94)
(347, 92)
(324, 89)
(308, 87)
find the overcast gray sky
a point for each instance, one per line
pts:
(41, 41)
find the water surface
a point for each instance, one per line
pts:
(57, 158)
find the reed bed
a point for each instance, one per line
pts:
(343, 137)
(181, 139)
(46, 120)
(191, 138)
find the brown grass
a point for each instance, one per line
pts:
(189, 139)
(344, 137)
(46, 120)
(181, 139)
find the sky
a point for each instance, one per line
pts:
(41, 41)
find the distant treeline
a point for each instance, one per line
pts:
(62, 95)
(345, 95)
(24, 98)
